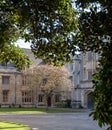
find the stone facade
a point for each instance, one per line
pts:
(14, 90)
(82, 68)
(10, 86)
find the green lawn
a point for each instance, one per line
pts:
(12, 126)
(34, 110)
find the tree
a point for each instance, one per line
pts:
(13, 54)
(49, 26)
(9, 33)
(96, 20)
(49, 79)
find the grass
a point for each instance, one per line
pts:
(12, 126)
(34, 110)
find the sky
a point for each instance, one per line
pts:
(23, 44)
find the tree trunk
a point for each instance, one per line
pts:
(47, 103)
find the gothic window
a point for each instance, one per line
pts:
(84, 59)
(24, 80)
(5, 96)
(5, 80)
(40, 97)
(89, 75)
(84, 74)
(27, 96)
(57, 97)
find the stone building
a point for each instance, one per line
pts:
(14, 90)
(82, 68)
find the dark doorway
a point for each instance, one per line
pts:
(49, 101)
(90, 101)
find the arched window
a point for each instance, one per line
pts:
(57, 98)
(40, 98)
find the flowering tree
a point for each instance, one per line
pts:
(49, 79)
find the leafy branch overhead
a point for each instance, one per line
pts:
(95, 34)
(11, 53)
(54, 29)
(47, 25)
(95, 19)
